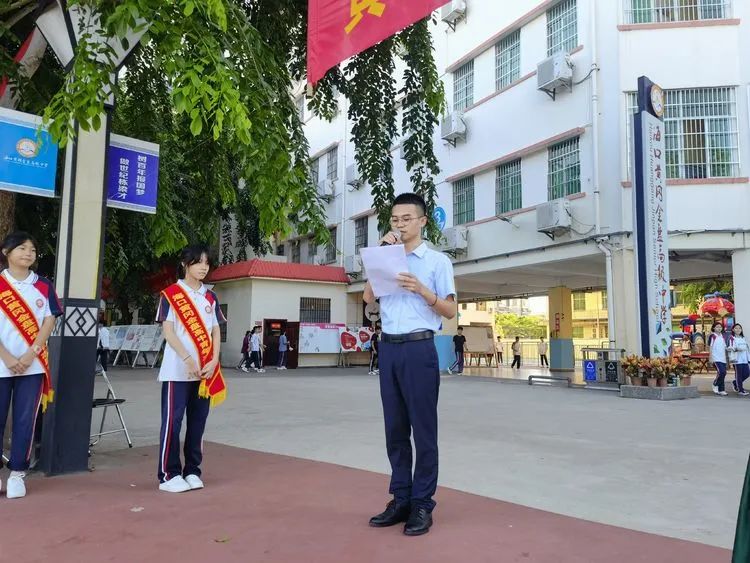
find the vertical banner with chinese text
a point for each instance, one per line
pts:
(650, 229)
(132, 174)
(339, 29)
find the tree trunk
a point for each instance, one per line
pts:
(7, 213)
(29, 57)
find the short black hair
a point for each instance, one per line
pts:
(13, 241)
(410, 198)
(192, 255)
(460, 328)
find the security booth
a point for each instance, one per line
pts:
(602, 367)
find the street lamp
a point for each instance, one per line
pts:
(80, 242)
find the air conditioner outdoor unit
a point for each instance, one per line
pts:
(453, 11)
(553, 217)
(555, 72)
(353, 178)
(353, 264)
(326, 188)
(453, 128)
(456, 239)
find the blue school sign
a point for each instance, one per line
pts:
(440, 217)
(132, 174)
(28, 157)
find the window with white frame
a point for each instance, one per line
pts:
(662, 11)
(579, 301)
(564, 169)
(463, 200)
(701, 132)
(508, 60)
(562, 27)
(315, 170)
(332, 164)
(463, 86)
(331, 248)
(360, 233)
(508, 187)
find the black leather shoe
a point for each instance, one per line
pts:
(419, 522)
(394, 514)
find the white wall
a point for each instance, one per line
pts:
(520, 117)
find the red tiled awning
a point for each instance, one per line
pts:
(257, 268)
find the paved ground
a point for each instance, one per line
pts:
(673, 469)
(273, 509)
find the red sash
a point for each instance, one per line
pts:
(213, 387)
(22, 317)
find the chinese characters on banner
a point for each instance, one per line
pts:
(339, 29)
(28, 157)
(132, 174)
(655, 235)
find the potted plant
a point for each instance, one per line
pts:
(660, 370)
(632, 367)
(647, 366)
(684, 369)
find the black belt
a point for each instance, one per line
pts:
(410, 337)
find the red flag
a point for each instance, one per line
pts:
(339, 29)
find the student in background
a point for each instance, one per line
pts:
(499, 350)
(374, 344)
(255, 348)
(516, 347)
(459, 344)
(738, 354)
(686, 346)
(245, 361)
(283, 348)
(543, 352)
(102, 345)
(717, 344)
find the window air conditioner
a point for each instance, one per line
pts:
(353, 264)
(453, 11)
(353, 178)
(555, 72)
(453, 128)
(455, 239)
(553, 217)
(326, 188)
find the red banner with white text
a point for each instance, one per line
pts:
(339, 29)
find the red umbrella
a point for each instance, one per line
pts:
(717, 307)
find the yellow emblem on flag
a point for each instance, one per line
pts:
(359, 7)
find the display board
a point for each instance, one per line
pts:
(479, 339)
(320, 338)
(356, 340)
(136, 338)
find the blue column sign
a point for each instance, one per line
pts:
(440, 217)
(132, 174)
(589, 370)
(28, 157)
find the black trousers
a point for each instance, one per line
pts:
(409, 385)
(543, 359)
(516, 361)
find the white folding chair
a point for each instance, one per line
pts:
(110, 400)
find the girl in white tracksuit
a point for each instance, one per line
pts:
(717, 343)
(739, 348)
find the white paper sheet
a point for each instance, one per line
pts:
(383, 264)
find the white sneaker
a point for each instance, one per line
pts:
(16, 488)
(715, 389)
(283, 367)
(194, 482)
(245, 369)
(174, 485)
(723, 393)
(450, 372)
(261, 370)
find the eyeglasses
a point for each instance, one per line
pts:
(406, 220)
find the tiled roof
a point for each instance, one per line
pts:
(257, 268)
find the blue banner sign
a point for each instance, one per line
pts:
(28, 157)
(132, 174)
